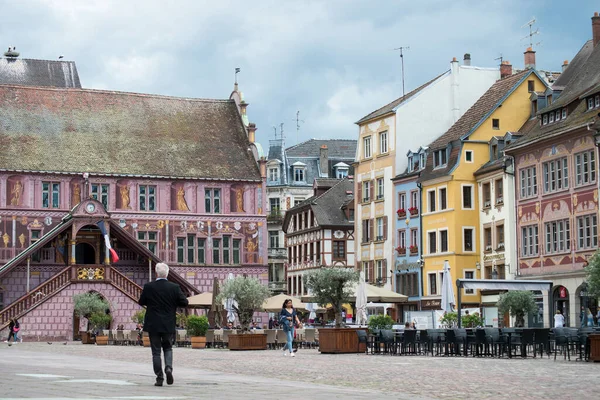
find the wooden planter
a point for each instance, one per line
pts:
(594, 348)
(198, 342)
(101, 340)
(86, 338)
(250, 341)
(146, 339)
(340, 340)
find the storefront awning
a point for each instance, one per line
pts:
(495, 284)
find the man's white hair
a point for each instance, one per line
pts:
(162, 270)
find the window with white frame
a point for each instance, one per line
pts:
(432, 280)
(50, 194)
(422, 160)
(402, 239)
(414, 199)
(468, 236)
(298, 174)
(443, 240)
(440, 158)
(486, 189)
(556, 175)
(212, 201)
(147, 197)
(443, 198)
(469, 275)
(379, 269)
(585, 167)
(341, 172)
(529, 241)
(499, 186)
(366, 191)
(100, 192)
(431, 242)
(590, 103)
(431, 200)
(380, 230)
(587, 232)
(148, 239)
(402, 201)
(274, 239)
(414, 237)
(467, 197)
(366, 271)
(380, 188)
(367, 147)
(273, 174)
(545, 119)
(528, 182)
(383, 142)
(564, 113)
(558, 236)
(499, 237)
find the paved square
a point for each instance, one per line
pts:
(75, 371)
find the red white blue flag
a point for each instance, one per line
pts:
(113, 254)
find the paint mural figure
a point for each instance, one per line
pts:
(239, 197)
(125, 201)
(16, 192)
(181, 203)
(76, 199)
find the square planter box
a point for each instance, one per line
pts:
(249, 341)
(340, 340)
(594, 348)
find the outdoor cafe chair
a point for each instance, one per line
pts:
(271, 338)
(210, 338)
(281, 338)
(425, 345)
(120, 338)
(226, 333)
(409, 342)
(497, 342)
(218, 341)
(437, 340)
(388, 340)
(310, 339)
(363, 337)
(563, 341)
(541, 341)
(457, 341)
(481, 343)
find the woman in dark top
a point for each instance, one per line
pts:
(287, 318)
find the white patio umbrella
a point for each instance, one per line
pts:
(448, 301)
(361, 300)
(230, 303)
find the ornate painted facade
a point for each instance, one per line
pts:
(176, 180)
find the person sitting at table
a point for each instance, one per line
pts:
(407, 325)
(229, 326)
(253, 326)
(413, 325)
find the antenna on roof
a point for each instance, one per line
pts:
(298, 121)
(532, 33)
(402, 48)
(237, 71)
(275, 130)
(499, 58)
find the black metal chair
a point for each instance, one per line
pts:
(497, 342)
(409, 342)
(563, 341)
(541, 341)
(425, 345)
(363, 337)
(457, 341)
(388, 339)
(438, 341)
(481, 343)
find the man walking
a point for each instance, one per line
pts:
(161, 299)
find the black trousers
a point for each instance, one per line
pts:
(162, 341)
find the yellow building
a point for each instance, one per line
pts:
(450, 218)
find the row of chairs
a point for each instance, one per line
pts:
(276, 338)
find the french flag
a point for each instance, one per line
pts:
(113, 254)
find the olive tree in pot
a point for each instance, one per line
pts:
(86, 304)
(335, 286)
(139, 317)
(248, 295)
(197, 326)
(100, 320)
(518, 303)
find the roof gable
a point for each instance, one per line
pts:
(105, 132)
(51, 73)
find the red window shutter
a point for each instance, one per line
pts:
(371, 271)
(372, 229)
(372, 191)
(385, 221)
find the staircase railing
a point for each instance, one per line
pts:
(34, 298)
(124, 284)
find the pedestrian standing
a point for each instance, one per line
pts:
(287, 319)
(16, 330)
(161, 299)
(559, 319)
(11, 332)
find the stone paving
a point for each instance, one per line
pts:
(89, 371)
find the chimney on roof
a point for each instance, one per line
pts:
(565, 65)
(467, 59)
(505, 69)
(251, 132)
(596, 28)
(529, 58)
(324, 160)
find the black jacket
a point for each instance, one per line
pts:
(161, 299)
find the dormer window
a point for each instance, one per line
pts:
(273, 174)
(545, 119)
(299, 170)
(590, 103)
(422, 160)
(341, 170)
(597, 100)
(564, 113)
(551, 118)
(440, 158)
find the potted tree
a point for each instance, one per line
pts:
(248, 295)
(197, 327)
(139, 317)
(334, 286)
(99, 321)
(518, 303)
(86, 304)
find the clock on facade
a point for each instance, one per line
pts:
(338, 234)
(90, 208)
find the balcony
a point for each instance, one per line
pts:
(278, 286)
(277, 252)
(275, 216)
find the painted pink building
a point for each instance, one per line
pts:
(176, 180)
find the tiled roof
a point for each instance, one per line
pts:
(391, 106)
(429, 172)
(584, 76)
(105, 132)
(325, 182)
(491, 166)
(573, 68)
(337, 148)
(22, 71)
(478, 111)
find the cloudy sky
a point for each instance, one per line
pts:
(332, 60)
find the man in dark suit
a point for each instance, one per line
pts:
(161, 299)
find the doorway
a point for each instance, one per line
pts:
(561, 302)
(85, 254)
